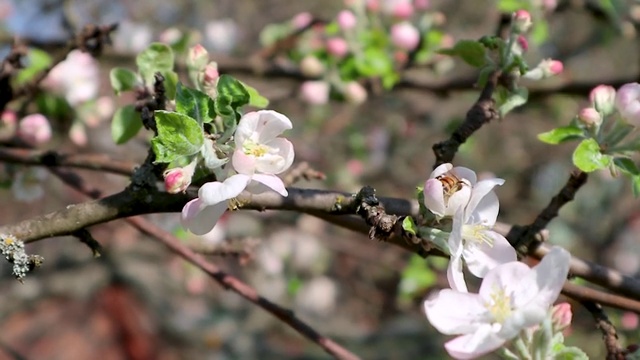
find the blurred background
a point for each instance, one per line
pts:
(140, 302)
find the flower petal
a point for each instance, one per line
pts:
(271, 124)
(542, 286)
(434, 197)
(453, 312)
(455, 276)
(243, 163)
(216, 192)
(200, 218)
(279, 158)
(506, 276)
(246, 128)
(441, 169)
(271, 181)
(465, 173)
(484, 256)
(458, 200)
(490, 206)
(474, 345)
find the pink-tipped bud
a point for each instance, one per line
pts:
(603, 98)
(315, 92)
(301, 20)
(373, 5)
(547, 68)
(355, 93)
(628, 102)
(178, 179)
(629, 320)
(421, 4)
(170, 36)
(403, 9)
(211, 74)
(555, 67)
(521, 21)
(590, 117)
(405, 36)
(311, 66)
(337, 47)
(561, 316)
(346, 20)
(34, 129)
(197, 57)
(8, 124)
(523, 43)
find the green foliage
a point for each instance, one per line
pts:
(588, 157)
(125, 124)
(195, 104)
(509, 100)
(470, 51)
(37, 61)
(157, 57)
(562, 134)
(409, 226)
(416, 276)
(122, 79)
(178, 135)
(231, 96)
(255, 99)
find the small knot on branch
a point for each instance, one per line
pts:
(382, 224)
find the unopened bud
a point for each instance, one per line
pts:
(197, 57)
(561, 316)
(337, 47)
(34, 129)
(403, 9)
(301, 20)
(590, 117)
(628, 102)
(315, 92)
(521, 21)
(421, 4)
(603, 98)
(355, 93)
(547, 68)
(178, 179)
(373, 5)
(405, 36)
(311, 66)
(347, 20)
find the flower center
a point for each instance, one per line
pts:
(500, 305)
(252, 148)
(477, 234)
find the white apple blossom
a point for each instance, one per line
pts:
(473, 240)
(77, 78)
(512, 297)
(260, 154)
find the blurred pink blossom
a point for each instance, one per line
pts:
(628, 102)
(346, 19)
(337, 46)
(315, 92)
(355, 93)
(76, 78)
(603, 98)
(405, 36)
(302, 20)
(34, 129)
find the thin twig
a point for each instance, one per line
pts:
(609, 334)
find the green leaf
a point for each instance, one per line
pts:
(255, 99)
(375, 62)
(409, 226)
(471, 51)
(178, 135)
(195, 104)
(570, 353)
(37, 61)
(513, 100)
(157, 57)
(626, 165)
(561, 134)
(125, 124)
(635, 185)
(587, 156)
(231, 96)
(416, 276)
(170, 83)
(122, 79)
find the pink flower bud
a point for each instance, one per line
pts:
(405, 36)
(561, 316)
(170, 36)
(628, 102)
(523, 43)
(311, 66)
(403, 10)
(590, 117)
(178, 179)
(629, 320)
(546, 68)
(78, 134)
(347, 20)
(302, 20)
(556, 67)
(603, 98)
(337, 47)
(521, 21)
(211, 74)
(197, 57)
(421, 4)
(373, 5)
(355, 93)
(315, 92)
(34, 129)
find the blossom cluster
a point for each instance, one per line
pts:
(260, 154)
(605, 100)
(512, 297)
